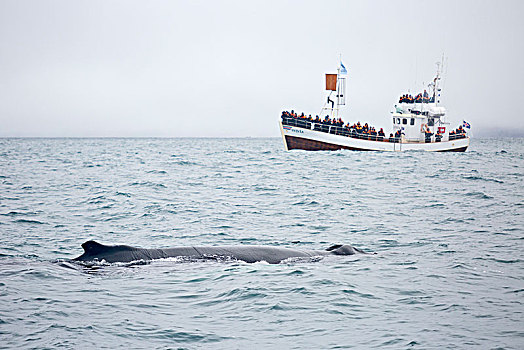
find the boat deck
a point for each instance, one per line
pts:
(352, 133)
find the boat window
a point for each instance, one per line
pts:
(393, 120)
(412, 121)
(431, 122)
(404, 121)
(398, 120)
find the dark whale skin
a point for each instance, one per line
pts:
(94, 251)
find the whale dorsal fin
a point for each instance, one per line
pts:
(344, 249)
(92, 247)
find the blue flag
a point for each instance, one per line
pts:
(343, 69)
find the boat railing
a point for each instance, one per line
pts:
(336, 130)
(343, 131)
(457, 136)
(300, 123)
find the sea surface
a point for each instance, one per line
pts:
(447, 230)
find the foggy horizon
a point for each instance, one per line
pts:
(228, 69)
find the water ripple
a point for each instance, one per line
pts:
(447, 229)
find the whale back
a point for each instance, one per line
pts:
(94, 251)
(254, 253)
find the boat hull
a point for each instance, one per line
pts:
(311, 140)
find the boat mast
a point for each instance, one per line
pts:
(338, 89)
(341, 85)
(335, 83)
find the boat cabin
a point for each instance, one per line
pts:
(414, 120)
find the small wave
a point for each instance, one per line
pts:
(148, 184)
(99, 265)
(435, 205)
(404, 263)
(67, 264)
(307, 202)
(389, 243)
(13, 213)
(223, 227)
(503, 261)
(11, 198)
(279, 307)
(301, 260)
(480, 195)
(446, 252)
(27, 221)
(116, 216)
(258, 188)
(298, 224)
(460, 266)
(358, 294)
(234, 151)
(185, 162)
(117, 193)
(186, 337)
(96, 200)
(483, 179)
(453, 307)
(320, 228)
(516, 291)
(162, 172)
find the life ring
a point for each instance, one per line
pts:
(423, 127)
(442, 130)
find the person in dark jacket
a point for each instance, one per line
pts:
(381, 135)
(428, 135)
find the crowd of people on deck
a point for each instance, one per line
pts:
(326, 121)
(419, 98)
(357, 130)
(459, 133)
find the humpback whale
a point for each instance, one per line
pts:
(94, 251)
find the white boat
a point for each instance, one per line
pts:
(417, 126)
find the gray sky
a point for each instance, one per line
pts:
(228, 68)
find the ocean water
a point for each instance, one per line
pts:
(447, 230)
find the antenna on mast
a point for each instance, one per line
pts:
(437, 88)
(341, 91)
